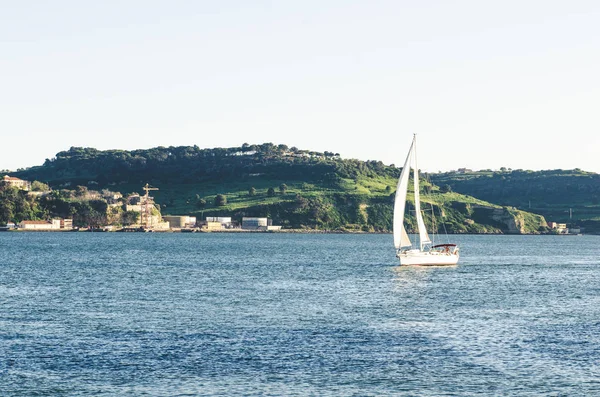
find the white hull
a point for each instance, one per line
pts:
(426, 258)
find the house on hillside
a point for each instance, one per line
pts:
(16, 182)
(249, 153)
(32, 193)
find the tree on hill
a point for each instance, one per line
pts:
(81, 191)
(252, 191)
(129, 217)
(16, 205)
(283, 188)
(37, 186)
(220, 200)
(271, 192)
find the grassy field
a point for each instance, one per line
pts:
(177, 199)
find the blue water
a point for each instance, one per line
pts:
(111, 314)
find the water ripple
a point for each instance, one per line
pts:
(297, 315)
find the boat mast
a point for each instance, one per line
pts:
(433, 225)
(423, 237)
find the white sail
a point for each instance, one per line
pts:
(423, 236)
(404, 240)
(400, 237)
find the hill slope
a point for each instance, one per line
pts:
(571, 196)
(296, 188)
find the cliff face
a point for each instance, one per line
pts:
(514, 223)
(510, 220)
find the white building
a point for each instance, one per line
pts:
(180, 221)
(223, 220)
(54, 224)
(251, 223)
(8, 226)
(264, 224)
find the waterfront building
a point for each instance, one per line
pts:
(54, 224)
(212, 226)
(253, 223)
(225, 221)
(180, 221)
(560, 228)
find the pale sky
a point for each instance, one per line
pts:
(484, 84)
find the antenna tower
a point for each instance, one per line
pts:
(145, 209)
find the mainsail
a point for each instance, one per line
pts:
(400, 236)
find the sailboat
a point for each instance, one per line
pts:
(424, 253)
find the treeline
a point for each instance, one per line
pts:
(520, 187)
(190, 164)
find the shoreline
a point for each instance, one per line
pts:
(288, 231)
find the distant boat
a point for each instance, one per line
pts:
(424, 253)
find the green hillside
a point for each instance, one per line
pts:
(568, 196)
(296, 188)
